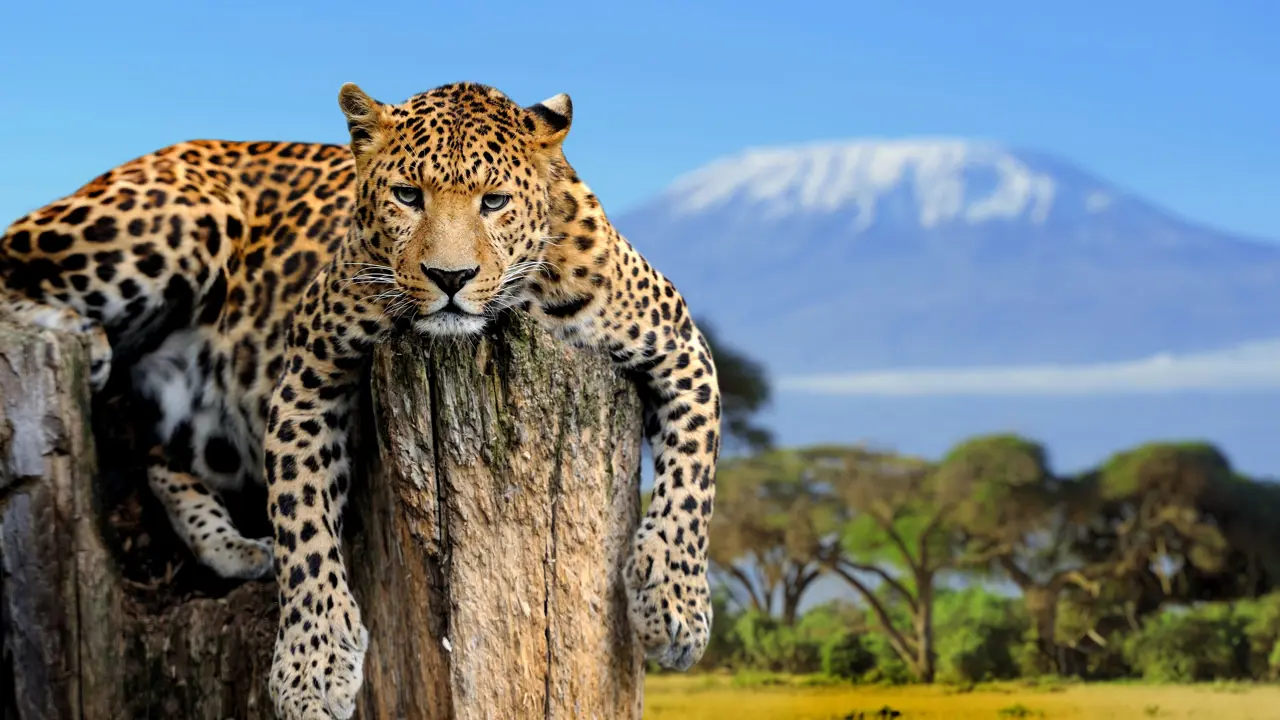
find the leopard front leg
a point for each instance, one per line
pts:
(319, 653)
(668, 594)
(667, 579)
(318, 664)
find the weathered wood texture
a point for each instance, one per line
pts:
(485, 541)
(81, 640)
(493, 542)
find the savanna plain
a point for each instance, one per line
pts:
(721, 696)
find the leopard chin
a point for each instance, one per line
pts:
(450, 324)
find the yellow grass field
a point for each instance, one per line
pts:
(712, 697)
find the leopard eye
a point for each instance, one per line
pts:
(494, 201)
(410, 196)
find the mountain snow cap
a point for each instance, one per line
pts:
(932, 182)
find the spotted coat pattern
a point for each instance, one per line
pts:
(243, 286)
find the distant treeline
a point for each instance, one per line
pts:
(1159, 562)
(987, 564)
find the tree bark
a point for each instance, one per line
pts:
(504, 515)
(486, 539)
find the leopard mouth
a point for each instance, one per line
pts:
(438, 307)
(451, 319)
(452, 308)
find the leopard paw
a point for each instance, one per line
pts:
(237, 557)
(668, 601)
(318, 665)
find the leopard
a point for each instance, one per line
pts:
(242, 286)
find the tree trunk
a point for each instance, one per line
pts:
(504, 516)
(926, 661)
(486, 541)
(1042, 607)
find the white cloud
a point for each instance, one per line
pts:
(1252, 366)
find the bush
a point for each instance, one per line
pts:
(846, 655)
(979, 636)
(1032, 660)
(1190, 646)
(982, 636)
(1262, 628)
(888, 667)
(769, 645)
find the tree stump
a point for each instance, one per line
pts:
(485, 542)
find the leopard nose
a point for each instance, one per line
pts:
(450, 281)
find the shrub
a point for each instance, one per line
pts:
(1262, 629)
(846, 655)
(888, 667)
(979, 636)
(767, 644)
(1189, 646)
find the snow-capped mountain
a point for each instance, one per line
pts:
(910, 293)
(948, 181)
(873, 254)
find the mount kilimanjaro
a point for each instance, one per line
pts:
(867, 258)
(888, 254)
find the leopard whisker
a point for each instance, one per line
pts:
(388, 295)
(369, 280)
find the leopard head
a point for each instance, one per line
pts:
(452, 197)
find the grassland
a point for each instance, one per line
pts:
(719, 697)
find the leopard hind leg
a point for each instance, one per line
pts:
(199, 455)
(201, 519)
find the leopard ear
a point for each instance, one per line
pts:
(364, 118)
(551, 119)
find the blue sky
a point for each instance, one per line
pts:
(1176, 99)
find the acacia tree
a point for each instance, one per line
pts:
(1149, 526)
(1022, 521)
(897, 541)
(1246, 511)
(1152, 517)
(773, 530)
(1159, 532)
